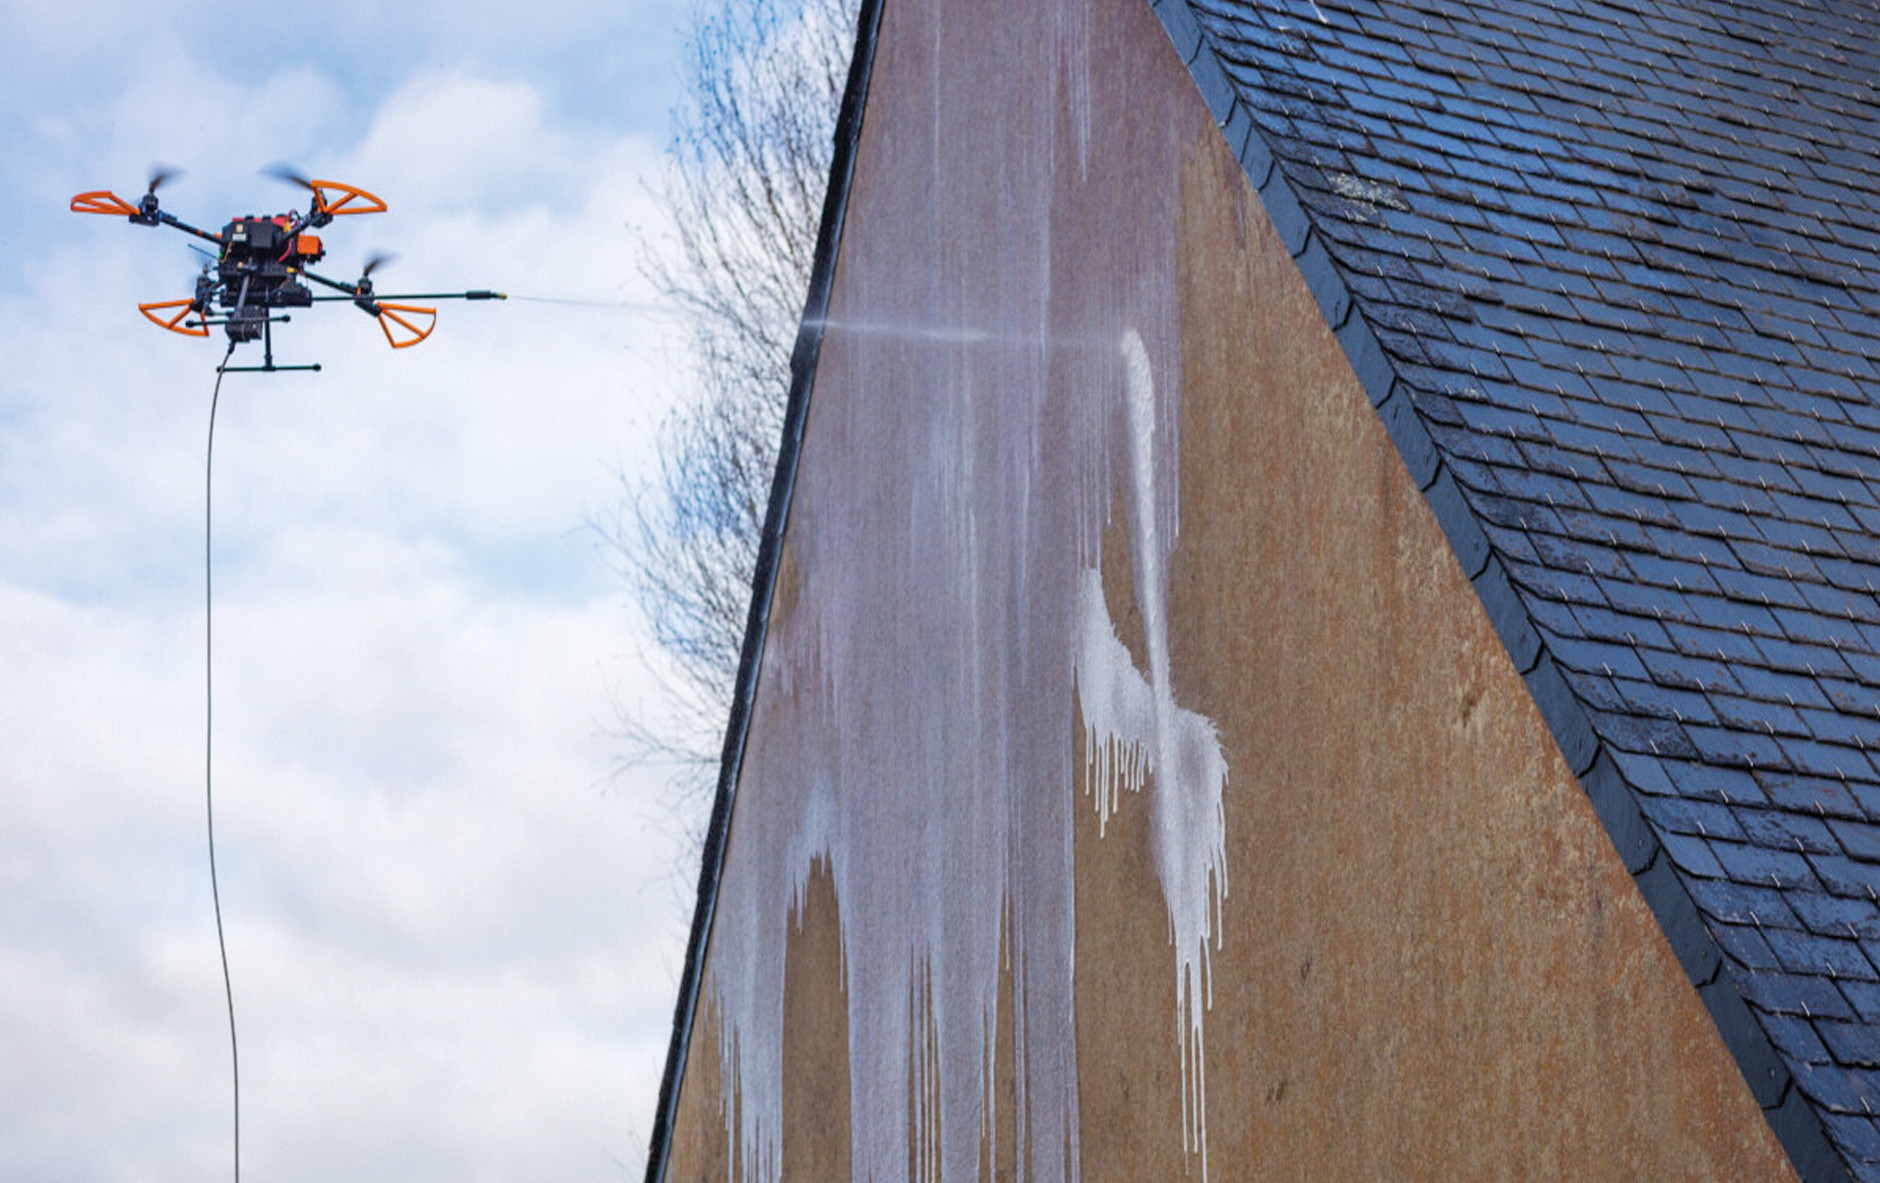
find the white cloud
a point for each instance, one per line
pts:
(454, 946)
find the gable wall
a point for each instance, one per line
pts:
(1431, 963)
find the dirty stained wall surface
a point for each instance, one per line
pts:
(1135, 788)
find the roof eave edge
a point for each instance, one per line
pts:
(803, 359)
(1793, 1119)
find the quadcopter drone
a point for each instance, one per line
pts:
(260, 265)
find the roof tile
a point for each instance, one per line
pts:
(1843, 876)
(1833, 957)
(1856, 917)
(1786, 993)
(1797, 1038)
(1782, 829)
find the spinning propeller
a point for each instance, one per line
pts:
(160, 176)
(260, 265)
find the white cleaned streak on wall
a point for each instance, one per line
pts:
(914, 739)
(1133, 730)
(972, 425)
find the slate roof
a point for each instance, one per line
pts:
(1607, 269)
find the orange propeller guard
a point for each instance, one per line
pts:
(103, 201)
(389, 315)
(369, 203)
(173, 323)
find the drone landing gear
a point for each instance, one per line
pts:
(267, 365)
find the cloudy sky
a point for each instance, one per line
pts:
(454, 930)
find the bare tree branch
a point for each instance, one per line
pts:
(750, 160)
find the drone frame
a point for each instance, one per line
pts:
(403, 324)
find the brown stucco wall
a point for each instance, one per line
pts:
(1432, 964)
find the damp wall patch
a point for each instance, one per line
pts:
(1000, 368)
